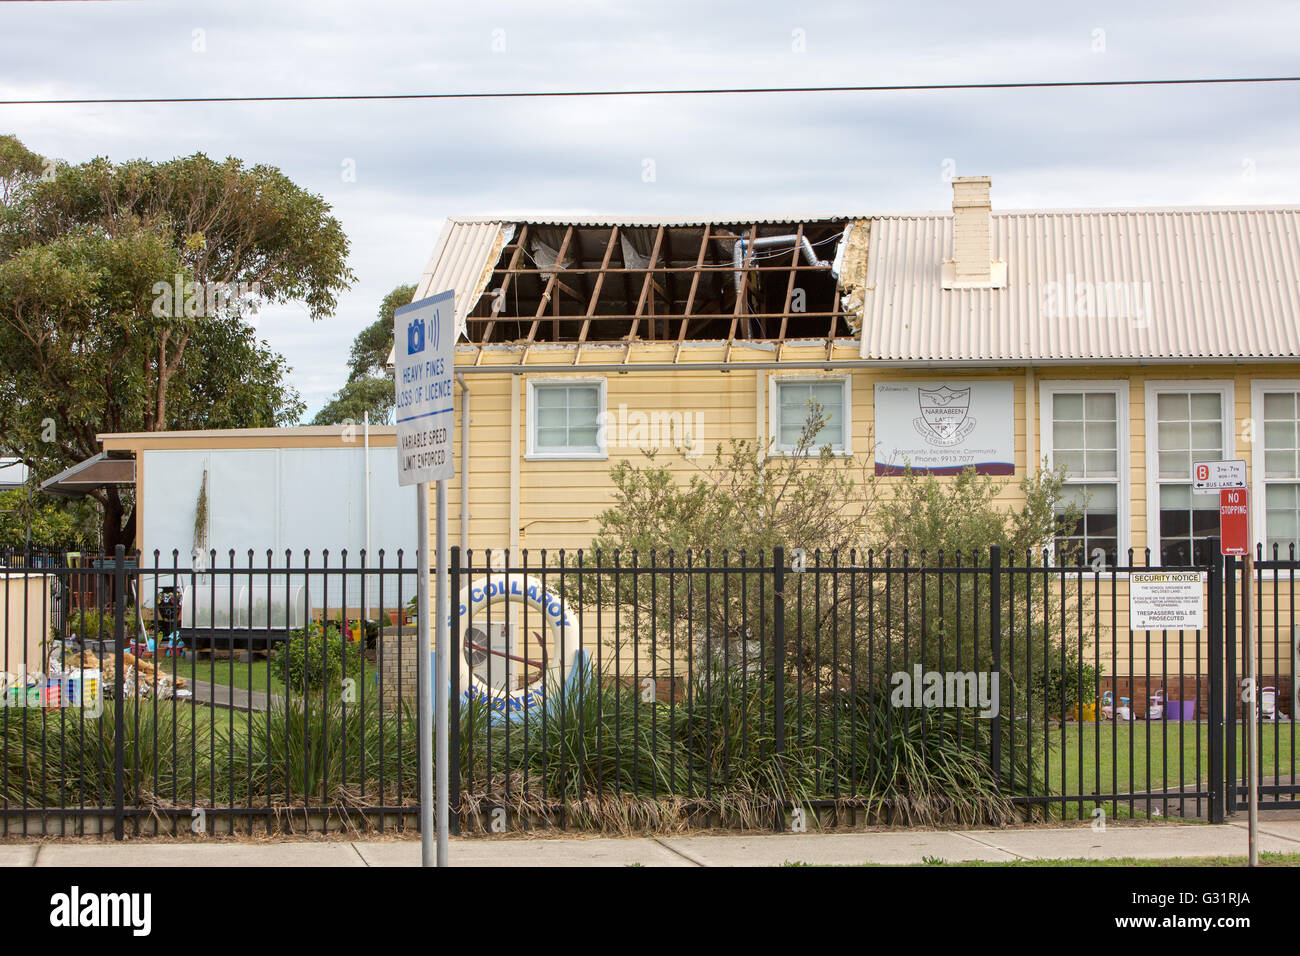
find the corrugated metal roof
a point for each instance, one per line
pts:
(462, 260)
(648, 221)
(1091, 285)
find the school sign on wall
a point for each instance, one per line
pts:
(944, 426)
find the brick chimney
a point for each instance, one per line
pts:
(972, 265)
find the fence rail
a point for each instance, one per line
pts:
(277, 690)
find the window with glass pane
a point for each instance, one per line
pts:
(1189, 427)
(566, 419)
(1281, 473)
(794, 401)
(1085, 440)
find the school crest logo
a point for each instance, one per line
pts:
(945, 417)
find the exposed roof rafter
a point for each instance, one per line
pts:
(637, 281)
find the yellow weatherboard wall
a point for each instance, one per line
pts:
(558, 500)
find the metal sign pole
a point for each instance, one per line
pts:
(1228, 477)
(1252, 711)
(425, 691)
(424, 336)
(441, 674)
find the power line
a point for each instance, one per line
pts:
(572, 94)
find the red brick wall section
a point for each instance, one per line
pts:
(1140, 689)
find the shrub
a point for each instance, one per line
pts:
(752, 501)
(86, 623)
(310, 661)
(1065, 688)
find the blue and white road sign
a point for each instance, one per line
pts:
(424, 335)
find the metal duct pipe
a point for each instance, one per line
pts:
(738, 252)
(738, 257)
(464, 464)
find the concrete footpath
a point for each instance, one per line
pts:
(887, 847)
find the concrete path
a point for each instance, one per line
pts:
(222, 695)
(886, 847)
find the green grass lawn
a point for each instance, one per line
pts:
(202, 717)
(223, 719)
(1161, 756)
(187, 712)
(245, 675)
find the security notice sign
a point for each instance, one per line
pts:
(1165, 601)
(424, 337)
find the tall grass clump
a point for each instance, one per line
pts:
(323, 752)
(59, 759)
(608, 758)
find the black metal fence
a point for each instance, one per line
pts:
(277, 691)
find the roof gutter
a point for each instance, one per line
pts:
(833, 364)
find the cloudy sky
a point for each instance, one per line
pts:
(416, 162)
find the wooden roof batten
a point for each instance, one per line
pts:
(693, 275)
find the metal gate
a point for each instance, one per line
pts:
(1274, 701)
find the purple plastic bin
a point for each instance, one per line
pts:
(1180, 710)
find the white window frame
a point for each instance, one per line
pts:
(531, 452)
(1227, 406)
(1258, 482)
(774, 409)
(1047, 390)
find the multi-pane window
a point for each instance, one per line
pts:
(793, 405)
(1281, 438)
(1084, 434)
(1189, 427)
(566, 419)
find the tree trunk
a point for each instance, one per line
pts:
(119, 526)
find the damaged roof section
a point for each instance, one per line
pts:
(637, 280)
